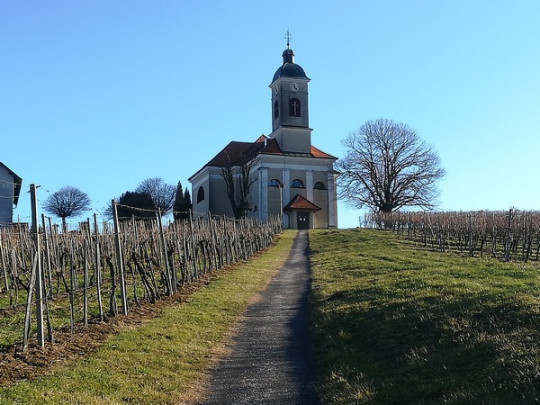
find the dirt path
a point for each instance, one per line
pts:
(271, 359)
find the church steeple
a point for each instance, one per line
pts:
(290, 112)
(288, 54)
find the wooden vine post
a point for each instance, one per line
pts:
(163, 254)
(39, 272)
(98, 269)
(120, 260)
(48, 253)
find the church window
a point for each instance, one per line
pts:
(274, 183)
(276, 109)
(294, 107)
(319, 186)
(200, 195)
(297, 183)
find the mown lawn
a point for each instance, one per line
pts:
(398, 324)
(162, 361)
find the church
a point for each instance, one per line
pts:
(280, 174)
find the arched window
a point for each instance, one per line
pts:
(294, 107)
(276, 109)
(319, 186)
(274, 183)
(200, 195)
(297, 183)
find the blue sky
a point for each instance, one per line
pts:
(104, 94)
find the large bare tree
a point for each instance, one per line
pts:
(67, 202)
(387, 167)
(162, 193)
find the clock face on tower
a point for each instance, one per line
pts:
(294, 86)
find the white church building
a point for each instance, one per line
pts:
(288, 176)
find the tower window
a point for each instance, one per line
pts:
(319, 186)
(274, 183)
(200, 195)
(294, 107)
(297, 183)
(276, 109)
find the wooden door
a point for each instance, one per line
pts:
(302, 219)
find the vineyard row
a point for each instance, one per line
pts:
(91, 274)
(507, 235)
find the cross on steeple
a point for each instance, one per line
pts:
(288, 37)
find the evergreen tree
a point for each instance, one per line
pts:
(187, 201)
(182, 203)
(135, 204)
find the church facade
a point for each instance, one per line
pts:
(280, 174)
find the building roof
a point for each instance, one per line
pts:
(320, 154)
(301, 203)
(17, 184)
(236, 152)
(289, 68)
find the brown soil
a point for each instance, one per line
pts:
(16, 365)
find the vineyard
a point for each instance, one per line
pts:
(506, 235)
(56, 280)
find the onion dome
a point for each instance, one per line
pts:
(289, 68)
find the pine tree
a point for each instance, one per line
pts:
(182, 203)
(187, 202)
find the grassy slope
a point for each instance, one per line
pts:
(161, 361)
(397, 324)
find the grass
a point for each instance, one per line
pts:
(397, 324)
(12, 319)
(164, 359)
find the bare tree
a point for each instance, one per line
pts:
(162, 194)
(238, 191)
(387, 167)
(67, 202)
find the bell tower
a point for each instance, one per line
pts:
(290, 112)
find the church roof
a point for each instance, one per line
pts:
(301, 203)
(235, 152)
(320, 154)
(272, 148)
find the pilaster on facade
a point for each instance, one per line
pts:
(263, 194)
(286, 193)
(332, 200)
(309, 185)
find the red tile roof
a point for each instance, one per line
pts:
(320, 154)
(272, 148)
(301, 203)
(235, 151)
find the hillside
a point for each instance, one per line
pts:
(397, 323)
